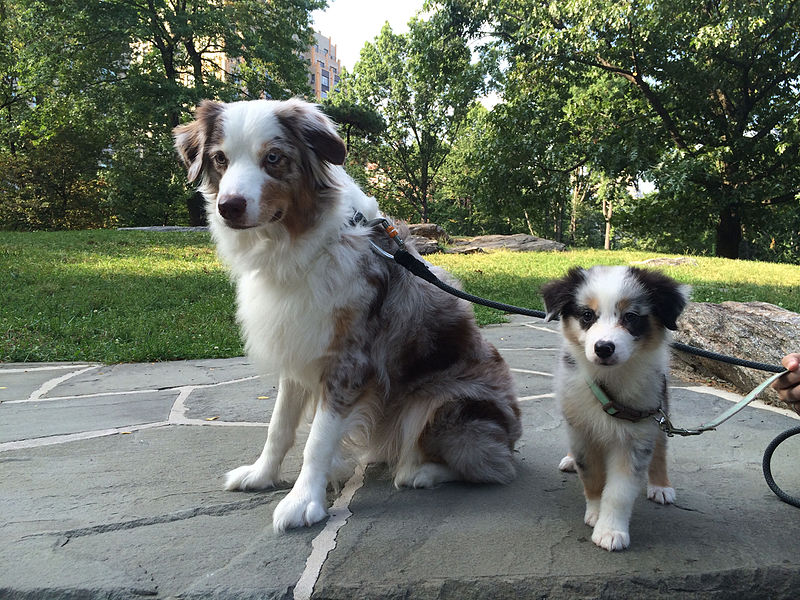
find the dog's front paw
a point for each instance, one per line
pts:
(611, 539)
(567, 464)
(662, 495)
(250, 477)
(297, 510)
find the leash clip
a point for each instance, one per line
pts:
(667, 427)
(387, 227)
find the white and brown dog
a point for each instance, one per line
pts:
(614, 322)
(387, 363)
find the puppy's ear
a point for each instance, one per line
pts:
(307, 122)
(667, 297)
(191, 138)
(561, 292)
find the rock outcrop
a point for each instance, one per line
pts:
(751, 330)
(518, 242)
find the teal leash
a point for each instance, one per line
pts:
(667, 427)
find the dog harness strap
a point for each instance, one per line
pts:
(614, 409)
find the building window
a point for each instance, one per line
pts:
(323, 94)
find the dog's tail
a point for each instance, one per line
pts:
(474, 438)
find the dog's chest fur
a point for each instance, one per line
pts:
(637, 389)
(289, 316)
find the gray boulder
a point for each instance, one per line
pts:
(755, 331)
(431, 231)
(668, 261)
(424, 245)
(518, 242)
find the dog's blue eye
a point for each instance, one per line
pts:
(273, 158)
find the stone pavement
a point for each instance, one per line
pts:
(111, 487)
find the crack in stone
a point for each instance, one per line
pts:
(181, 515)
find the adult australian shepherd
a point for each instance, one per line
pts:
(393, 369)
(614, 323)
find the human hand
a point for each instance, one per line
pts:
(788, 386)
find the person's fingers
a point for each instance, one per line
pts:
(791, 361)
(790, 379)
(792, 397)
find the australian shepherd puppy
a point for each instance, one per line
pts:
(390, 366)
(614, 323)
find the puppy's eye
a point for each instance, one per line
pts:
(220, 159)
(587, 316)
(630, 318)
(272, 158)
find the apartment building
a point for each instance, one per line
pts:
(323, 66)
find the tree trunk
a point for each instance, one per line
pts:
(196, 204)
(608, 210)
(729, 233)
(528, 222)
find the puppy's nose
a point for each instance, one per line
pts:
(231, 208)
(604, 349)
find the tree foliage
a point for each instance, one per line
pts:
(700, 98)
(423, 83)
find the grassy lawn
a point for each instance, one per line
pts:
(113, 296)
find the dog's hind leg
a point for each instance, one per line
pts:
(659, 489)
(414, 472)
(265, 472)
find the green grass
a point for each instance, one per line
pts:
(113, 297)
(124, 296)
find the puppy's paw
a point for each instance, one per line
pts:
(567, 464)
(611, 539)
(591, 515)
(250, 477)
(662, 495)
(297, 510)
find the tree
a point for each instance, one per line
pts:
(716, 84)
(423, 83)
(351, 116)
(55, 91)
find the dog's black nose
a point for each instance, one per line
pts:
(231, 207)
(604, 349)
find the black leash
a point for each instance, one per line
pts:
(405, 259)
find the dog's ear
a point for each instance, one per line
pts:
(667, 297)
(307, 122)
(191, 138)
(561, 292)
